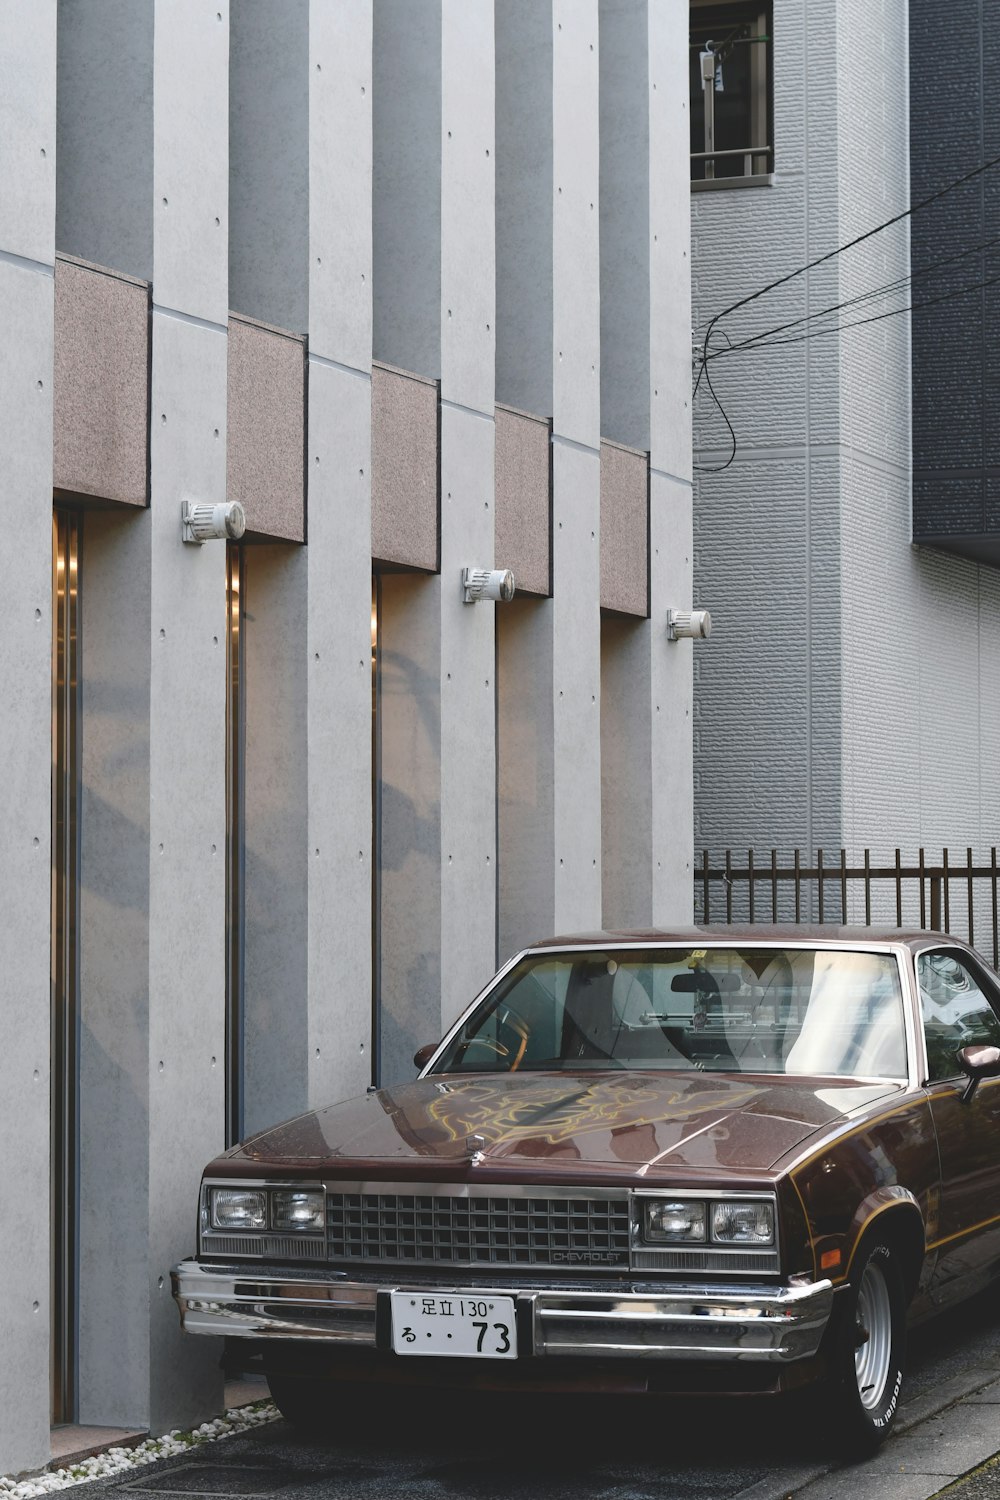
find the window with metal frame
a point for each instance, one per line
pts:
(731, 93)
(65, 962)
(235, 837)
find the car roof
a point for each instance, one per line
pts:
(769, 932)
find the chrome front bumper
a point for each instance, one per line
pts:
(704, 1322)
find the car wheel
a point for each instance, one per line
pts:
(869, 1349)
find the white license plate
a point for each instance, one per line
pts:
(472, 1326)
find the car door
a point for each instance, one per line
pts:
(960, 1006)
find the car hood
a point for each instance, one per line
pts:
(555, 1126)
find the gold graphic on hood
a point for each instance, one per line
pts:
(553, 1115)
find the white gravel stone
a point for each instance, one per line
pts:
(117, 1460)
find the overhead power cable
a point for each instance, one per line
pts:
(894, 312)
(850, 244)
(715, 468)
(766, 337)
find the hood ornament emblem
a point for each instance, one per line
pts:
(475, 1148)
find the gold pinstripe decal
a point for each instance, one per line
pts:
(961, 1233)
(889, 1114)
(882, 1208)
(805, 1216)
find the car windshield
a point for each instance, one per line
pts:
(815, 1011)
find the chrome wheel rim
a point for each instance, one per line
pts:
(871, 1359)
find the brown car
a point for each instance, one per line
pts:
(707, 1160)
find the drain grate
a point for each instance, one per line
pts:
(241, 1480)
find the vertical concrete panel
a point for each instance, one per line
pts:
(671, 553)
(28, 129)
(468, 724)
(339, 465)
(560, 671)
(670, 235)
(468, 245)
(269, 89)
(25, 694)
(276, 799)
(188, 676)
(575, 222)
(410, 794)
(339, 733)
(576, 473)
(406, 207)
(626, 241)
(525, 775)
(671, 541)
(27, 224)
(576, 670)
(468, 654)
(524, 204)
(114, 970)
(340, 181)
(191, 157)
(626, 789)
(646, 767)
(105, 122)
(645, 315)
(187, 918)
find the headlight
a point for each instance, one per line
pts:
(238, 1208)
(681, 1222)
(742, 1223)
(293, 1208)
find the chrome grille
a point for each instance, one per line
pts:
(757, 1262)
(264, 1246)
(472, 1231)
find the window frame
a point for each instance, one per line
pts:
(761, 147)
(987, 986)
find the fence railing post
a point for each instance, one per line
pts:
(932, 881)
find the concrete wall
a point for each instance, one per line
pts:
(836, 643)
(768, 729)
(269, 162)
(338, 628)
(27, 243)
(247, 213)
(645, 507)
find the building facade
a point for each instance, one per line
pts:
(850, 548)
(410, 282)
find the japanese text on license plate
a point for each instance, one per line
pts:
(472, 1326)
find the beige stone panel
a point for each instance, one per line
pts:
(101, 395)
(266, 440)
(524, 499)
(405, 469)
(624, 530)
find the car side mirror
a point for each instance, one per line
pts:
(423, 1055)
(978, 1063)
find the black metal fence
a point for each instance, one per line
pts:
(953, 897)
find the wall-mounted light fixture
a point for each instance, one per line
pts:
(212, 523)
(693, 623)
(486, 583)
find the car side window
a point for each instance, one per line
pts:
(957, 1012)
